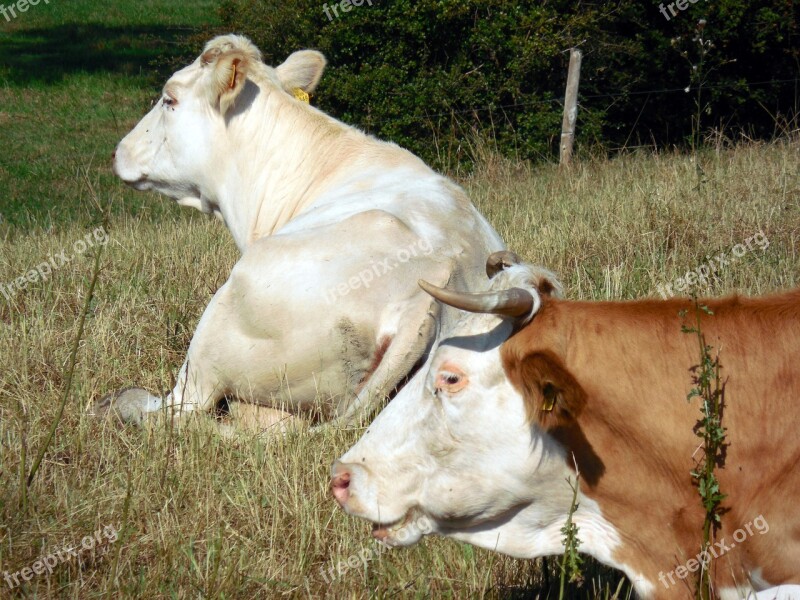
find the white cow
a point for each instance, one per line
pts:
(321, 316)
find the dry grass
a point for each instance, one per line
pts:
(251, 516)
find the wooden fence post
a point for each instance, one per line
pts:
(570, 106)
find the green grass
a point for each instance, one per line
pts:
(251, 516)
(125, 15)
(74, 78)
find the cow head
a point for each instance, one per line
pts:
(456, 450)
(180, 147)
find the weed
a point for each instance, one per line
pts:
(710, 389)
(571, 560)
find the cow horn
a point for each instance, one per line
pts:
(512, 303)
(498, 261)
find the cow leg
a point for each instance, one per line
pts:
(135, 405)
(255, 418)
(224, 352)
(406, 348)
(194, 390)
(197, 386)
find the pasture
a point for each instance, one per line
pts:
(195, 514)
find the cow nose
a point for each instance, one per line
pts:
(340, 484)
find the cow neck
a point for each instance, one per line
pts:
(633, 438)
(295, 155)
(581, 339)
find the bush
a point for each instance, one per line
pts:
(428, 74)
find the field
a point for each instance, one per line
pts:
(192, 514)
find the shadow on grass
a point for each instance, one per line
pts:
(38, 180)
(45, 55)
(542, 582)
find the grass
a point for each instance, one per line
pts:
(203, 516)
(252, 516)
(74, 78)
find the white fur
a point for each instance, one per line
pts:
(311, 203)
(782, 592)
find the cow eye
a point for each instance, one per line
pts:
(451, 379)
(169, 100)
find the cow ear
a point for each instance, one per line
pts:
(547, 283)
(302, 70)
(553, 398)
(228, 79)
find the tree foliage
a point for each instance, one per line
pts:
(427, 73)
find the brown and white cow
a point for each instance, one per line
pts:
(482, 447)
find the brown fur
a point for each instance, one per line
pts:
(620, 373)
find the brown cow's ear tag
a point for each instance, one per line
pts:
(301, 95)
(550, 393)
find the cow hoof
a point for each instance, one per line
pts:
(129, 405)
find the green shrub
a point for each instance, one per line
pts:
(428, 74)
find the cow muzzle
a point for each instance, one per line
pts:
(392, 526)
(340, 487)
(124, 166)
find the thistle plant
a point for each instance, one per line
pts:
(710, 389)
(700, 70)
(571, 560)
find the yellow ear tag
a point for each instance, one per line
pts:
(301, 95)
(550, 393)
(233, 77)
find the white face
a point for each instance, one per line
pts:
(173, 148)
(185, 146)
(456, 455)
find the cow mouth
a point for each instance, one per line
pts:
(404, 532)
(140, 185)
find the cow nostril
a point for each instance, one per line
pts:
(113, 155)
(341, 481)
(339, 486)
